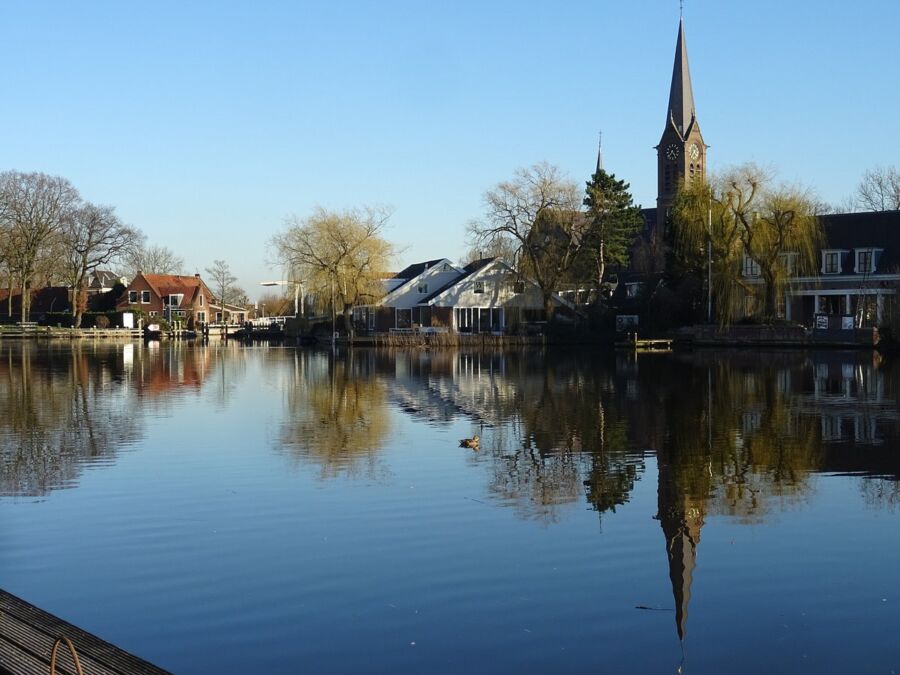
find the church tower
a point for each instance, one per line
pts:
(681, 153)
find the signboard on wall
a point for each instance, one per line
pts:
(846, 323)
(821, 322)
(626, 322)
(127, 320)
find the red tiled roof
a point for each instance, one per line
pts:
(171, 284)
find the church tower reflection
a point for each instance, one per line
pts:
(681, 518)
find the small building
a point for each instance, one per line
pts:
(173, 297)
(485, 296)
(103, 281)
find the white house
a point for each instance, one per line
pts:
(486, 295)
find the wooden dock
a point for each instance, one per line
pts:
(645, 345)
(28, 634)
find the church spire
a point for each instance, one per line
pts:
(681, 96)
(600, 154)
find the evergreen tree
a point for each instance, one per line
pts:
(613, 223)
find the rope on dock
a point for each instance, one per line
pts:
(71, 647)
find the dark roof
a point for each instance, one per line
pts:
(416, 269)
(681, 95)
(468, 270)
(869, 229)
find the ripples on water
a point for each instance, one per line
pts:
(270, 510)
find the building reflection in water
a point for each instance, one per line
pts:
(737, 435)
(67, 405)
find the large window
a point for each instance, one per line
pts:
(404, 318)
(831, 262)
(865, 261)
(751, 267)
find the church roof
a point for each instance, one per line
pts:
(681, 110)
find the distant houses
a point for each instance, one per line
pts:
(484, 296)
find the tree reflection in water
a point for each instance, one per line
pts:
(336, 413)
(64, 405)
(735, 434)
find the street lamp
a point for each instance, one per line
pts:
(298, 293)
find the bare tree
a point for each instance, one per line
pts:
(93, 236)
(33, 210)
(338, 254)
(879, 190)
(223, 281)
(153, 259)
(538, 213)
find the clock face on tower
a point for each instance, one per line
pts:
(694, 151)
(672, 152)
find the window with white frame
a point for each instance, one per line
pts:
(201, 299)
(751, 267)
(865, 260)
(831, 262)
(145, 297)
(423, 288)
(132, 297)
(633, 289)
(479, 287)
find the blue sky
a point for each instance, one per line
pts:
(206, 124)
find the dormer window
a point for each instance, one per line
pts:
(751, 267)
(445, 267)
(831, 262)
(865, 260)
(423, 288)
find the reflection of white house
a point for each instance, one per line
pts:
(484, 296)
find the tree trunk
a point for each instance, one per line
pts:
(549, 306)
(26, 302)
(770, 308)
(601, 270)
(348, 321)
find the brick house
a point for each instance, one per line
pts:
(173, 297)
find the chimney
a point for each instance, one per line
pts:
(197, 275)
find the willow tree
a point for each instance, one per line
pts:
(743, 216)
(339, 255)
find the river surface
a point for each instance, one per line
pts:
(264, 510)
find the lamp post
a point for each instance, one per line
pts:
(298, 293)
(709, 263)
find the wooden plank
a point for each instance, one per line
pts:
(40, 644)
(111, 657)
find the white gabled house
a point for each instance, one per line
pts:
(485, 296)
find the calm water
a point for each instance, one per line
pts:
(256, 510)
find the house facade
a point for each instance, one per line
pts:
(485, 296)
(173, 297)
(857, 273)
